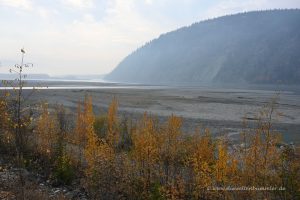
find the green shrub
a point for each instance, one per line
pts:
(64, 171)
(100, 126)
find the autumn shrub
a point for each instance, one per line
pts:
(113, 132)
(289, 173)
(147, 159)
(47, 132)
(6, 136)
(145, 154)
(99, 157)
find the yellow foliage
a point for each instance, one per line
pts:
(221, 167)
(99, 155)
(84, 127)
(163, 163)
(113, 135)
(47, 132)
(6, 135)
(79, 133)
(145, 152)
(171, 152)
(201, 161)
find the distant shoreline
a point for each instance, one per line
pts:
(105, 84)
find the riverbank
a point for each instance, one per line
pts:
(220, 109)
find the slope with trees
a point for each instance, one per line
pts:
(260, 47)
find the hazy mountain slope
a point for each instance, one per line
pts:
(254, 47)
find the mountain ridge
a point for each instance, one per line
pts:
(258, 47)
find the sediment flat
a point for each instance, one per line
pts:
(220, 109)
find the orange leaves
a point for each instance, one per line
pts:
(113, 135)
(112, 114)
(145, 154)
(95, 150)
(170, 138)
(97, 154)
(6, 135)
(145, 143)
(221, 166)
(84, 128)
(156, 152)
(260, 154)
(47, 132)
(84, 121)
(161, 162)
(98, 151)
(201, 160)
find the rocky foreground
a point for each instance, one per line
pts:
(36, 186)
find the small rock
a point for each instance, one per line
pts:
(69, 195)
(56, 191)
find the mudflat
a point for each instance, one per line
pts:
(220, 109)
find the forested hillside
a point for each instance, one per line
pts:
(251, 48)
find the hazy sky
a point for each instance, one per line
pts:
(93, 36)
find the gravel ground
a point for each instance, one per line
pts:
(221, 110)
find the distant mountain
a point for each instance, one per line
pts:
(261, 47)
